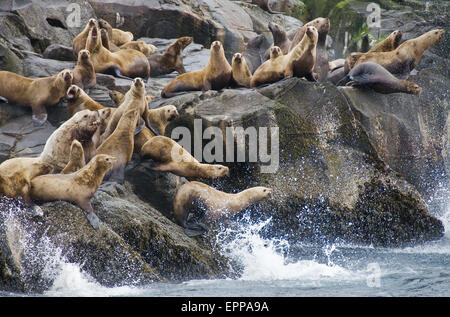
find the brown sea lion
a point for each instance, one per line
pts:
(78, 187)
(141, 138)
(141, 46)
(160, 117)
(388, 44)
(107, 43)
(79, 42)
(120, 144)
(117, 97)
(76, 158)
(298, 62)
(321, 66)
(123, 63)
(376, 77)
(280, 39)
(216, 75)
(35, 92)
(171, 60)
(240, 73)
(401, 61)
(81, 126)
(16, 175)
(117, 36)
(169, 156)
(210, 204)
(84, 72)
(134, 98)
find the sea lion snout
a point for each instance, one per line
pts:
(138, 82)
(72, 92)
(84, 54)
(216, 45)
(237, 57)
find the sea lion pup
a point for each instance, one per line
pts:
(216, 75)
(120, 144)
(160, 117)
(251, 54)
(79, 42)
(123, 63)
(76, 158)
(117, 36)
(298, 62)
(141, 46)
(84, 72)
(134, 98)
(240, 73)
(169, 156)
(211, 204)
(280, 39)
(401, 61)
(81, 126)
(171, 60)
(35, 92)
(78, 187)
(376, 77)
(388, 44)
(16, 175)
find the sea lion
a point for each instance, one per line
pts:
(376, 77)
(321, 66)
(216, 75)
(78, 187)
(298, 62)
(84, 72)
(160, 117)
(123, 63)
(210, 204)
(252, 53)
(141, 138)
(76, 158)
(388, 44)
(79, 42)
(117, 36)
(171, 60)
(117, 97)
(16, 175)
(240, 72)
(280, 39)
(169, 156)
(337, 63)
(35, 92)
(401, 61)
(134, 98)
(81, 126)
(120, 144)
(141, 46)
(265, 5)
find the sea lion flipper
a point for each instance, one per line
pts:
(93, 219)
(154, 130)
(310, 77)
(139, 126)
(194, 228)
(115, 71)
(3, 99)
(39, 119)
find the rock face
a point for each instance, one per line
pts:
(352, 165)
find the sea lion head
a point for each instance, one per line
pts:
(237, 58)
(73, 92)
(255, 42)
(260, 193)
(87, 122)
(312, 33)
(275, 51)
(84, 56)
(94, 40)
(216, 47)
(397, 37)
(170, 112)
(321, 24)
(116, 96)
(185, 41)
(65, 77)
(92, 23)
(438, 34)
(138, 87)
(104, 161)
(103, 24)
(277, 31)
(217, 170)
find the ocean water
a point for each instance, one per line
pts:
(332, 270)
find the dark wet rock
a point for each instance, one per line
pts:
(59, 52)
